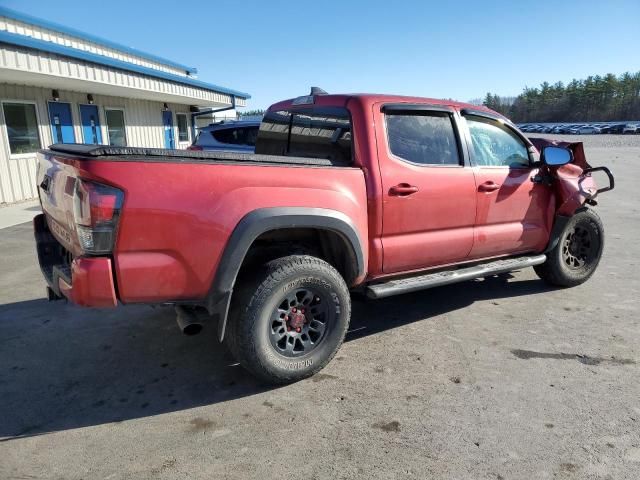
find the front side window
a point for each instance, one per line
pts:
(116, 128)
(495, 146)
(312, 133)
(22, 127)
(183, 129)
(423, 138)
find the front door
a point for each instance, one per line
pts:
(514, 213)
(429, 192)
(90, 124)
(167, 122)
(61, 122)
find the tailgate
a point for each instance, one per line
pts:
(56, 180)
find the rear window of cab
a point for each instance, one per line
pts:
(318, 132)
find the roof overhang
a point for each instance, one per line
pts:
(56, 27)
(26, 66)
(99, 88)
(55, 51)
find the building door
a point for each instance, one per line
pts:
(167, 122)
(61, 122)
(90, 120)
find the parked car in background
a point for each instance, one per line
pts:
(229, 135)
(631, 128)
(585, 129)
(617, 128)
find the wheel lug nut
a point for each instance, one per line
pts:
(298, 329)
(294, 310)
(302, 310)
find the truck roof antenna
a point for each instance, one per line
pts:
(317, 91)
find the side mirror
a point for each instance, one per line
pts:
(556, 156)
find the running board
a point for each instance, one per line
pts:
(430, 280)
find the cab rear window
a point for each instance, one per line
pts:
(312, 133)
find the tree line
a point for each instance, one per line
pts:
(252, 113)
(596, 98)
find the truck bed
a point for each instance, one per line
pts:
(180, 207)
(156, 155)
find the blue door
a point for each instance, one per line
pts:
(167, 121)
(90, 124)
(61, 123)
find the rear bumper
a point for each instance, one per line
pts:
(84, 281)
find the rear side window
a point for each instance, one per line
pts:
(236, 136)
(424, 138)
(312, 133)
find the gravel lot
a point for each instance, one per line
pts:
(501, 378)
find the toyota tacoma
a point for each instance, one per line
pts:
(377, 194)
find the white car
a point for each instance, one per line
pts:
(585, 129)
(630, 128)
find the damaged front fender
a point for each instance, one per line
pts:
(573, 183)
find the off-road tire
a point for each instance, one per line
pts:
(257, 301)
(569, 265)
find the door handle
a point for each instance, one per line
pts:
(402, 190)
(488, 187)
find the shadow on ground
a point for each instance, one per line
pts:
(64, 367)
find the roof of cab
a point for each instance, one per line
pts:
(373, 98)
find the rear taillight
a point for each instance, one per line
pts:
(194, 147)
(96, 209)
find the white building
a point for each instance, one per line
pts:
(59, 85)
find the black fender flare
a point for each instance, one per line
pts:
(262, 220)
(559, 224)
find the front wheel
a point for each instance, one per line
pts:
(575, 258)
(289, 318)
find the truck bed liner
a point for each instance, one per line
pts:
(141, 154)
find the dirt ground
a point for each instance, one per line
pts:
(503, 378)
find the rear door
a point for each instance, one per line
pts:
(429, 191)
(514, 211)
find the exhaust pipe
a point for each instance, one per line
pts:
(188, 321)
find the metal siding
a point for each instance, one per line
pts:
(15, 26)
(17, 58)
(143, 120)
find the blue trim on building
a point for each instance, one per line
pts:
(34, 43)
(23, 17)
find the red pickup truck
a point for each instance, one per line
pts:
(373, 193)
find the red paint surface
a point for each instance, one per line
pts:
(91, 284)
(177, 217)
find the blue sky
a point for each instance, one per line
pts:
(445, 49)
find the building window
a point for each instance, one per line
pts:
(116, 127)
(183, 128)
(22, 127)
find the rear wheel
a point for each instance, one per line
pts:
(289, 318)
(577, 254)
